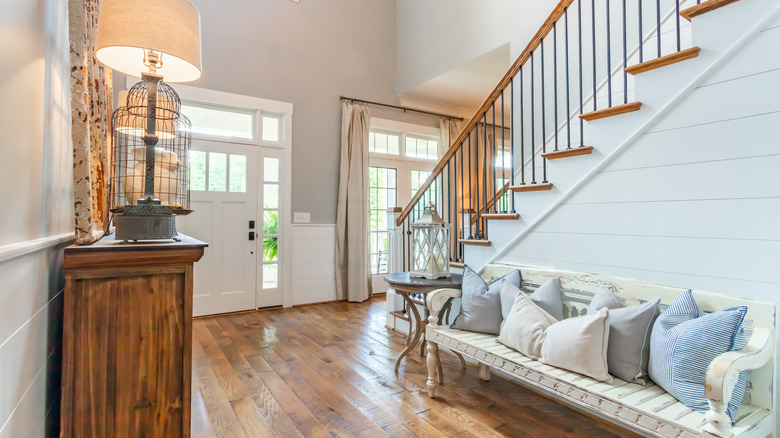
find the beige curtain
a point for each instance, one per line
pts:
(449, 132)
(353, 274)
(91, 108)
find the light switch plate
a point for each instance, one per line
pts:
(301, 218)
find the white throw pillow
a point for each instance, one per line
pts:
(580, 345)
(524, 327)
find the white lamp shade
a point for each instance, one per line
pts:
(170, 27)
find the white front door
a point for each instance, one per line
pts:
(224, 197)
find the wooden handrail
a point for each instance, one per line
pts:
(502, 85)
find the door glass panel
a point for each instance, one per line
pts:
(270, 250)
(271, 169)
(197, 170)
(381, 196)
(270, 128)
(217, 172)
(270, 276)
(271, 195)
(271, 222)
(238, 173)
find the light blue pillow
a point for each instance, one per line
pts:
(684, 342)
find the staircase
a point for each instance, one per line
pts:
(594, 78)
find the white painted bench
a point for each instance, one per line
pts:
(648, 410)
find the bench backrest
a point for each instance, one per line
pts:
(578, 288)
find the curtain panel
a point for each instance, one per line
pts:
(91, 109)
(353, 273)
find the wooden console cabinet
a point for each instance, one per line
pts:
(127, 339)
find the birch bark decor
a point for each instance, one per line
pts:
(91, 108)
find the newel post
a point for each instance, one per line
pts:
(395, 241)
(395, 248)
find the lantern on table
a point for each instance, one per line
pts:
(150, 39)
(431, 236)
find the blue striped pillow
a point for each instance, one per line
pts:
(684, 342)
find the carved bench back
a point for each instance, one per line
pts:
(578, 288)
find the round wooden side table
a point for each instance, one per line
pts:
(406, 285)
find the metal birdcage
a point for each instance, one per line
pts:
(150, 162)
(171, 158)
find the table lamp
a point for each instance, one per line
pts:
(150, 39)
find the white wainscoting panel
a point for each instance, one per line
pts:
(694, 202)
(313, 256)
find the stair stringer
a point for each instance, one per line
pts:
(720, 34)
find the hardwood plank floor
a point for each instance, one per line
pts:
(327, 370)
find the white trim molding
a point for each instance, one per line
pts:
(21, 249)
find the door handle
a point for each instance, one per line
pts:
(251, 235)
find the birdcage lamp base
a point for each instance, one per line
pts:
(146, 221)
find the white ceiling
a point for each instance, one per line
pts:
(467, 85)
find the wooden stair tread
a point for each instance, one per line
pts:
(400, 314)
(457, 265)
(704, 7)
(476, 242)
(563, 153)
(663, 61)
(501, 216)
(531, 187)
(614, 111)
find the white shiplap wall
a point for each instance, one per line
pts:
(313, 255)
(36, 192)
(694, 202)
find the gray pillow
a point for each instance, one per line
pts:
(480, 307)
(629, 335)
(547, 297)
(603, 298)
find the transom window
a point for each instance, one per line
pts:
(231, 123)
(423, 147)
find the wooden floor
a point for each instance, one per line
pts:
(327, 370)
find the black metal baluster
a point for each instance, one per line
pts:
(503, 155)
(625, 56)
(641, 36)
(484, 171)
(593, 33)
(475, 200)
(493, 159)
(544, 121)
(555, 82)
(462, 195)
(609, 60)
(579, 39)
(677, 20)
(512, 137)
(658, 24)
(568, 108)
(522, 131)
(533, 126)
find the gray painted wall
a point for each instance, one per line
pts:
(435, 36)
(36, 188)
(306, 53)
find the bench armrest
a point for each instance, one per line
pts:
(438, 301)
(723, 372)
